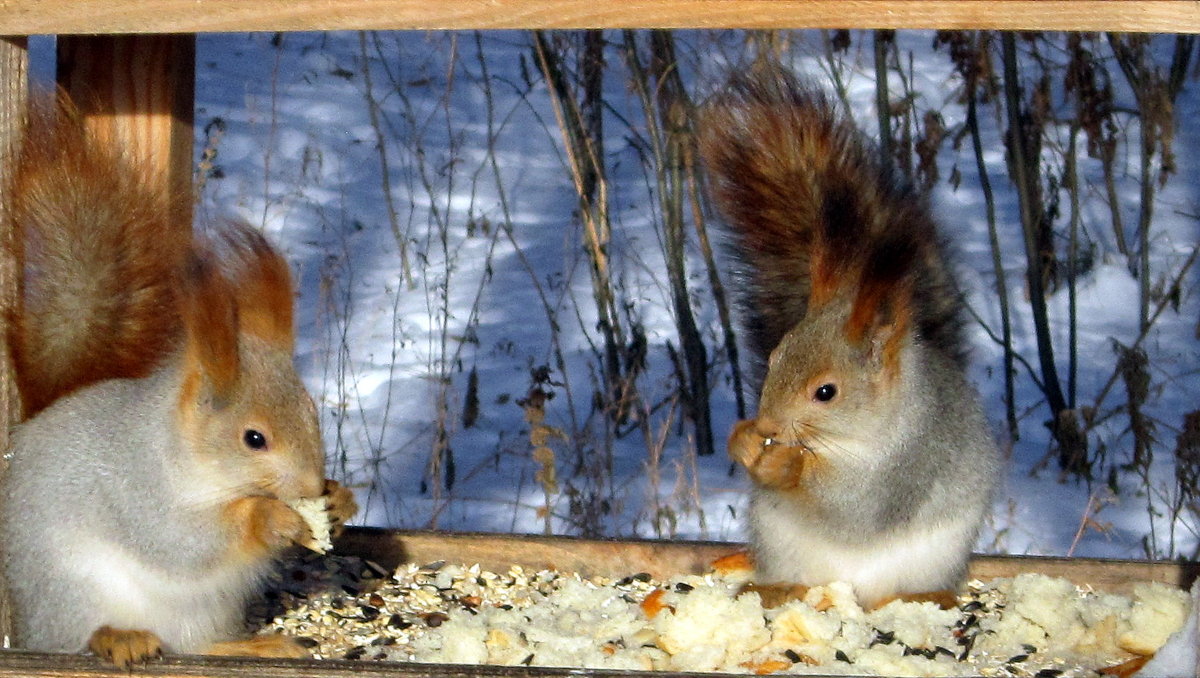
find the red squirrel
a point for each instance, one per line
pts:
(147, 492)
(871, 459)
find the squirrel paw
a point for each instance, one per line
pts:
(342, 506)
(267, 525)
(260, 646)
(124, 647)
(771, 465)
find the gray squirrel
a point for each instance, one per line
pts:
(145, 497)
(871, 459)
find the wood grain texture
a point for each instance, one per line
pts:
(664, 558)
(22, 17)
(14, 71)
(137, 92)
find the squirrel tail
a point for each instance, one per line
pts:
(99, 261)
(813, 215)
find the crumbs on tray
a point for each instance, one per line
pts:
(1029, 625)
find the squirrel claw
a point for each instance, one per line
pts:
(124, 647)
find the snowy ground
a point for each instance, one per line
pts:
(482, 197)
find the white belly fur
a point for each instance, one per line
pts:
(917, 559)
(188, 613)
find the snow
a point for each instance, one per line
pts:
(485, 204)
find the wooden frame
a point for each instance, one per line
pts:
(146, 100)
(24, 17)
(590, 557)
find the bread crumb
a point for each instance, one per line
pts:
(316, 514)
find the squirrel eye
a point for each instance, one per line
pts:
(254, 440)
(825, 392)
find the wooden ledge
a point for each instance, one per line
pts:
(618, 557)
(26, 17)
(499, 551)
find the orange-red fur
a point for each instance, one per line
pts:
(124, 647)
(72, 196)
(817, 222)
(264, 526)
(211, 318)
(263, 284)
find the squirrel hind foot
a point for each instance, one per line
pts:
(125, 647)
(275, 646)
(946, 599)
(774, 595)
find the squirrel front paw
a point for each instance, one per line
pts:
(267, 525)
(342, 507)
(124, 647)
(771, 465)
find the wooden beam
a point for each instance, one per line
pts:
(137, 92)
(19, 17)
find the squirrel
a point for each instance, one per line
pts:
(145, 499)
(870, 458)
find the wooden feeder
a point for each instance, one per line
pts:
(130, 63)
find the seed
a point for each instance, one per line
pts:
(370, 612)
(356, 653)
(792, 656)
(683, 587)
(436, 619)
(841, 656)
(1017, 659)
(883, 638)
(306, 642)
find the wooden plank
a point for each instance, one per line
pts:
(20, 664)
(664, 558)
(136, 92)
(20, 17)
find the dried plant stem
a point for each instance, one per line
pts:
(385, 170)
(989, 200)
(667, 113)
(582, 143)
(1023, 169)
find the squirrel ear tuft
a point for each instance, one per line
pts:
(262, 285)
(211, 324)
(882, 312)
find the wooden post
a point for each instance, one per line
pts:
(137, 92)
(14, 71)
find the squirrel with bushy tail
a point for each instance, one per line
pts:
(168, 439)
(870, 457)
